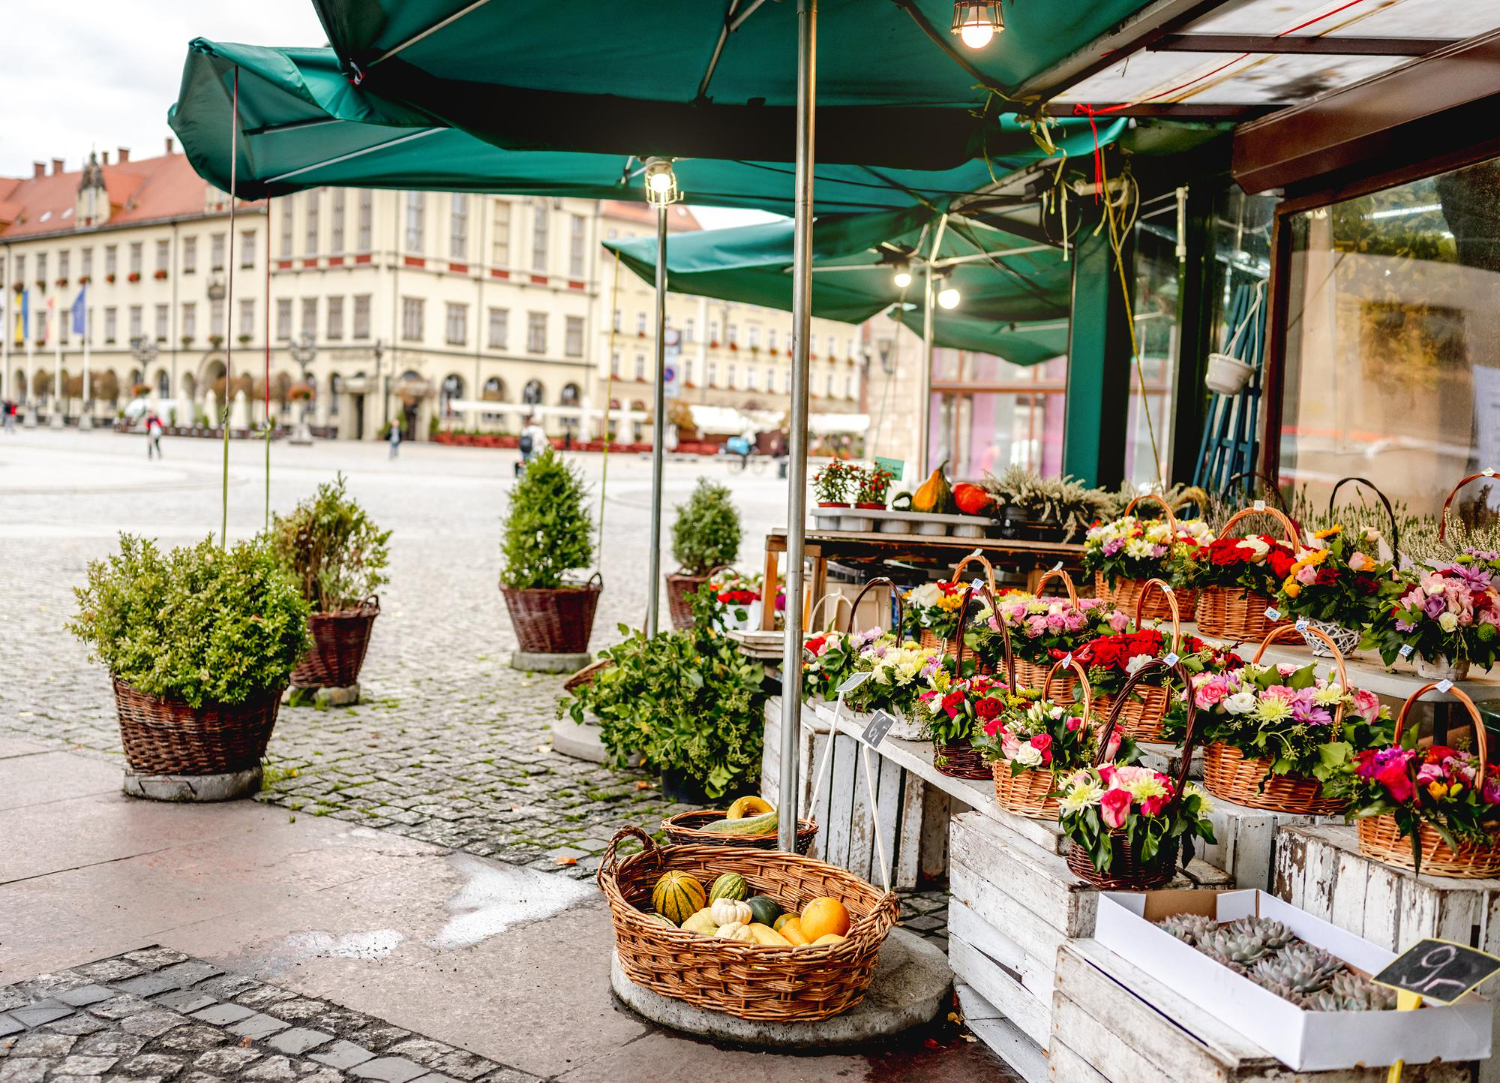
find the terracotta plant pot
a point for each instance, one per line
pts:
(833, 503)
(871, 506)
(339, 644)
(553, 620)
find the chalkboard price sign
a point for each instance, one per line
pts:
(1438, 970)
(879, 726)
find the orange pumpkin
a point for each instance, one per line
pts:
(823, 916)
(971, 499)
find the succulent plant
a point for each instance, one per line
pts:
(1275, 933)
(1296, 971)
(1189, 928)
(1348, 992)
(1225, 945)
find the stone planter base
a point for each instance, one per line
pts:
(322, 698)
(224, 787)
(543, 662)
(582, 742)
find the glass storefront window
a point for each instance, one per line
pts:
(1393, 338)
(1154, 297)
(988, 414)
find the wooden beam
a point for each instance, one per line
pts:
(1235, 111)
(1299, 44)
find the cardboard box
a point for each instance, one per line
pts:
(1303, 1040)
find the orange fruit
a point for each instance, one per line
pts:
(823, 916)
(792, 929)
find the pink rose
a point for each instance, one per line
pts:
(1118, 621)
(1210, 693)
(1307, 575)
(1114, 806)
(1073, 723)
(1152, 805)
(1281, 692)
(1366, 705)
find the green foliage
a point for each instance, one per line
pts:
(333, 549)
(200, 624)
(686, 701)
(548, 528)
(706, 533)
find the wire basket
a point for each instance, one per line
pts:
(1335, 637)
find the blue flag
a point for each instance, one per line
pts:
(25, 314)
(78, 316)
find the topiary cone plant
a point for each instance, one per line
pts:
(546, 535)
(705, 537)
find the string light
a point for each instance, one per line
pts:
(661, 183)
(976, 22)
(903, 275)
(948, 297)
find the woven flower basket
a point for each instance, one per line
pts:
(556, 620)
(1145, 708)
(339, 644)
(1380, 837)
(1030, 792)
(680, 590)
(1126, 594)
(960, 760)
(1032, 674)
(1233, 612)
(687, 828)
(750, 981)
(169, 737)
(1230, 776)
(930, 642)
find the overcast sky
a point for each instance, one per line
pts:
(82, 74)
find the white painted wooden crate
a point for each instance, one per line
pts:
(1319, 869)
(1246, 840)
(1113, 1024)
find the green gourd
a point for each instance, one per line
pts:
(751, 825)
(677, 896)
(764, 909)
(729, 886)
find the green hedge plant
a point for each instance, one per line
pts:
(200, 624)
(332, 547)
(548, 528)
(706, 533)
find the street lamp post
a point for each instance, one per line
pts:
(661, 193)
(303, 350)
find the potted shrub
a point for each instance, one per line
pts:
(705, 537)
(834, 484)
(199, 642)
(337, 556)
(1045, 509)
(546, 535)
(871, 487)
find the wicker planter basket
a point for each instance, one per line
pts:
(686, 828)
(927, 640)
(1230, 776)
(960, 760)
(1028, 794)
(680, 590)
(169, 737)
(1380, 838)
(339, 644)
(556, 620)
(1127, 594)
(930, 642)
(1236, 613)
(1032, 674)
(745, 980)
(1143, 712)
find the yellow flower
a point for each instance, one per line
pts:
(1316, 557)
(1437, 790)
(1330, 532)
(1291, 588)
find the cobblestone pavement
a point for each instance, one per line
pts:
(451, 744)
(156, 1015)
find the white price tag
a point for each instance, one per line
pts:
(1445, 685)
(1488, 473)
(1068, 661)
(1260, 505)
(976, 583)
(1272, 613)
(1406, 651)
(1302, 624)
(853, 681)
(1171, 659)
(1056, 567)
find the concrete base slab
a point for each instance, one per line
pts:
(582, 742)
(225, 787)
(910, 988)
(322, 698)
(542, 662)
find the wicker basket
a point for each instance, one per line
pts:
(686, 828)
(552, 620)
(1230, 776)
(1033, 674)
(1128, 594)
(169, 737)
(746, 980)
(1145, 707)
(1380, 837)
(960, 759)
(1233, 612)
(339, 644)
(1030, 792)
(680, 590)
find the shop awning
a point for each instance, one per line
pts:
(1018, 343)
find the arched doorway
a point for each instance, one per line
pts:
(452, 390)
(531, 394)
(163, 384)
(494, 391)
(637, 426)
(411, 388)
(570, 396)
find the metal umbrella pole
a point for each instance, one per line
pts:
(796, 500)
(661, 192)
(924, 412)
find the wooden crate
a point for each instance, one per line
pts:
(1319, 869)
(1246, 841)
(1113, 1024)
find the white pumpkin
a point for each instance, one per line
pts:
(736, 930)
(725, 911)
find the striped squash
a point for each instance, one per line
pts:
(729, 886)
(678, 896)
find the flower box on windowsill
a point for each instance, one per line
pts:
(134, 276)
(160, 276)
(84, 280)
(109, 277)
(62, 283)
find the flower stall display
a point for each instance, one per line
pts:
(1042, 631)
(956, 715)
(835, 484)
(1432, 809)
(1339, 587)
(1128, 824)
(932, 613)
(1276, 733)
(1236, 578)
(1447, 617)
(830, 658)
(1125, 552)
(899, 674)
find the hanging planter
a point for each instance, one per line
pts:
(1227, 374)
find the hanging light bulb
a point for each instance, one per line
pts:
(903, 275)
(976, 22)
(948, 297)
(661, 183)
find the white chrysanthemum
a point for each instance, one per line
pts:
(1139, 548)
(1328, 695)
(1142, 788)
(1194, 790)
(1273, 710)
(1080, 797)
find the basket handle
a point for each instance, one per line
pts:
(1117, 707)
(1395, 530)
(1283, 630)
(1272, 489)
(1479, 734)
(1288, 527)
(611, 862)
(1067, 582)
(372, 602)
(831, 596)
(590, 580)
(963, 615)
(1165, 507)
(989, 570)
(1083, 681)
(1443, 518)
(1171, 596)
(879, 580)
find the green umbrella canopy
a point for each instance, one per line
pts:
(303, 124)
(1018, 343)
(895, 88)
(1001, 276)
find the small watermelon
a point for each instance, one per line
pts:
(764, 909)
(677, 896)
(729, 886)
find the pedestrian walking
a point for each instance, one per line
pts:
(394, 436)
(153, 437)
(8, 416)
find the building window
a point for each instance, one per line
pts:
(411, 319)
(216, 319)
(713, 332)
(189, 255)
(615, 323)
(86, 261)
(362, 315)
(499, 328)
(135, 260)
(310, 316)
(500, 246)
(771, 339)
(614, 364)
(111, 259)
(687, 330)
(335, 318)
(536, 332)
(458, 324)
(533, 393)
(366, 219)
(734, 334)
(687, 372)
(729, 375)
(62, 267)
(577, 239)
(135, 322)
(310, 224)
(163, 256)
(247, 248)
(752, 378)
(41, 269)
(247, 317)
(458, 228)
(335, 389)
(849, 383)
(853, 348)
(640, 323)
(540, 216)
(216, 252)
(573, 337)
(284, 319)
(829, 385)
(189, 321)
(416, 214)
(640, 367)
(752, 334)
(336, 223)
(288, 208)
(712, 378)
(109, 322)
